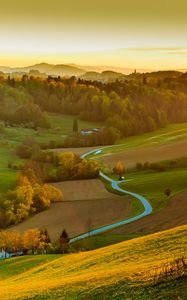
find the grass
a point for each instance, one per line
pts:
(65, 123)
(121, 271)
(169, 134)
(151, 185)
(18, 265)
(7, 176)
(102, 240)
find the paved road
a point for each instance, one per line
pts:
(115, 185)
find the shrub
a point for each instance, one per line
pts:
(167, 192)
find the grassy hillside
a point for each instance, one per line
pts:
(121, 271)
(152, 185)
(169, 134)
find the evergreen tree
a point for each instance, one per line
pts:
(75, 126)
(64, 241)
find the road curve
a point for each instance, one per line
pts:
(115, 185)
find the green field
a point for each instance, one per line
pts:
(170, 134)
(151, 185)
(122, 271)
(65, 123)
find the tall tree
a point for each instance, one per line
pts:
(75, 126)
(119, 169)
(32, 239)
(44, 240)
(64, 241)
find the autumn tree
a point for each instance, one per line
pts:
(119, 169)
(45, 240)
(32, 239)
(16, 240)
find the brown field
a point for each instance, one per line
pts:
(86, 205)
(151, 154)
(175, 214)
(83, 190)
(131, 157)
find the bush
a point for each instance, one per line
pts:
(167, 192)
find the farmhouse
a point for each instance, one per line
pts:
(88, 131)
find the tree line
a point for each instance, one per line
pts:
(131, 106)
(139, 104)
(33, 241)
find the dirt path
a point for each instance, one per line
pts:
(175, 214)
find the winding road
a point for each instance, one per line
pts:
(115, 185)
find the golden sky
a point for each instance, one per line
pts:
(148, 34)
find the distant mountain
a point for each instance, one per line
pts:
(70, 69)
(104, 76)
(100, 69)
(49, 69)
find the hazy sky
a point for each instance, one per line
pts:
(135, 33)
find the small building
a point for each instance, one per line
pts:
(10, 253)
(88, 131)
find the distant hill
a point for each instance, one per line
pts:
(122, 70)
(102, 73)
(71, 70)
(104, 76)
(49, 69)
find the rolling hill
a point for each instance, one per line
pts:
(122, 271)
(68, 69)
(49, 69)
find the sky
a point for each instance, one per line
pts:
(149, 34)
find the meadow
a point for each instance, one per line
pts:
(169, 134)
(122, 271)
(152, 185)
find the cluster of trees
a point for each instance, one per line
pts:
(33, 241)
(17, 107)
(67, 166)
(150, 166)
(29, 196)
(51, 166)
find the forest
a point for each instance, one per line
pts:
(137, 104)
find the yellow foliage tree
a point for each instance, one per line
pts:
(31, 239)
(119, 169)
